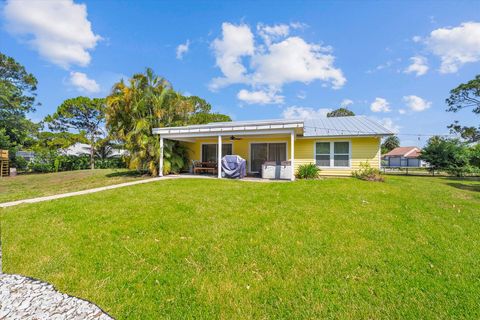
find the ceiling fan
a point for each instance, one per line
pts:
(232, 138)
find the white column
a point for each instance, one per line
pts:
(219, 160)
(160, 167)
(292, 154)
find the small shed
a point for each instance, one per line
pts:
(404, 157)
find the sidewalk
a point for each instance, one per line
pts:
(77, 193)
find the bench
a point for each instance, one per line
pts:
(208, 167)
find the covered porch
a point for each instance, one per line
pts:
(260, 144)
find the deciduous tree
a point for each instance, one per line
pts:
(340, 112)
(17, 98)
(450, 155)
(466, 95)
(80, 114)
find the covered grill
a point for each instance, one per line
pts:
(233, 167)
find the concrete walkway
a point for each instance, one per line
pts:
(78, 193)
(125, 184)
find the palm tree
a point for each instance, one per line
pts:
(134, 108)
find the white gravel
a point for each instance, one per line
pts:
(29, 299)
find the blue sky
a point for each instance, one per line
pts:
(394, 61)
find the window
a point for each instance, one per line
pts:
(332, 154)
(323, 154)
(341, 154)
(209, 151)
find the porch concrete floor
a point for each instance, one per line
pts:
(209, 176)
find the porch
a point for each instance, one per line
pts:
(271, 142)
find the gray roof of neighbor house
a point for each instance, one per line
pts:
(325, 127)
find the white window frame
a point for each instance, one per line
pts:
(332, 154)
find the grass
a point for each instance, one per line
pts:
(37, 185)
(209, 249)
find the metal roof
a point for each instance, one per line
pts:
(232, 126)
(325, 127)
(344, 126)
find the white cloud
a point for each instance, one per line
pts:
(236, 42)
(275, 32)
(418, 66)
(306, 63)
(416, 103)
(389, 124)
(345, 103)
(402, 111)
(58, 30)
(182, 49)
(455, 46)
(380, 105)
(259, 97)
(82, 83)
(383, 66)
(265, 68)
(416, 39)
(301, 95)
(296, 112)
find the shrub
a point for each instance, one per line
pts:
(444, 154)
(308, 171)
(48, 161)
(366, 172)
(44, 161)
(110, 163)
(20, 163)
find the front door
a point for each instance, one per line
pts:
(261, 152)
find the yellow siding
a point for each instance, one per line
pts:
(363, 149)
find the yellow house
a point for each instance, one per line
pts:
(336, 145)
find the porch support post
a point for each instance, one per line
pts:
(292, 154)
(160, 167)
(219, 160)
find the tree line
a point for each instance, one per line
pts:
(124, 120)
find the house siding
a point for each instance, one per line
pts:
(363, 149)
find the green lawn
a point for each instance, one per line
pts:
(408, 248)
(46, 184)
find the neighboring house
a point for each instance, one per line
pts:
(27, 155)
(79, 149)
(336, 145)
(404, 157)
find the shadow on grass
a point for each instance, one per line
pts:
(463, 186)
(132, 174)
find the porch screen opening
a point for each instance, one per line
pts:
(261, 152)
(209, 151)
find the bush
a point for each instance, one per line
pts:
(49, 161)
(110, 163)
(20, 163)
(44, 161)
(308, 171)
(366, 172)
(449, 155)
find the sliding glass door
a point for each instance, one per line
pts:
(261, 152)
(209, 151)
